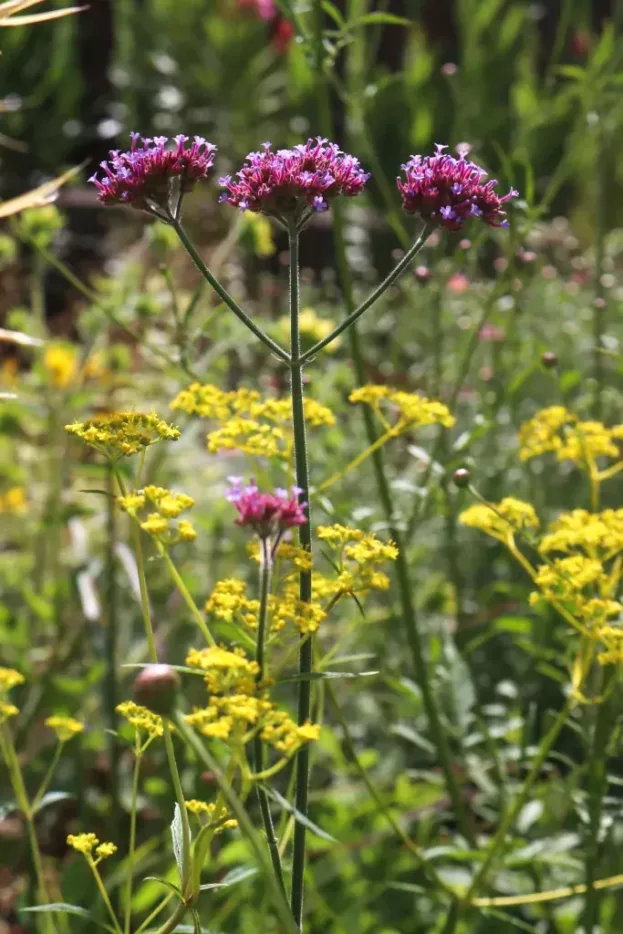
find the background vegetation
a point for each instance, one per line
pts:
(535, 92)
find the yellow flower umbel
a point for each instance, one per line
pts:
(202, 810)
(141, 719)
(410, 409)
(596, 534)
(89, 845)
(7, 710)
(559, 431)
(60, 363)
(168, 505)
(239, 709)
(501, 520)
(122, 434)
(64, 727)
(249, 423)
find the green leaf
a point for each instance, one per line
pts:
(177, 833)
(67, 909)
(384, 19)
(52, 797)
(406, 732)
(233, 877)
(332, 11)
(301, 818)
(166, 883)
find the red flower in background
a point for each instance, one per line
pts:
(281, 29)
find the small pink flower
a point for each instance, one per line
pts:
(458, 283)
(150, 175)
(268, 514)
(491, 333)
(448, 191)
(294, 183)
(265, 9)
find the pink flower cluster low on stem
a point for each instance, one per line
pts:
(268, 514)
(294, 183)
(449, 191)
(151, 173)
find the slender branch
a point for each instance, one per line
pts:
(132, 842)
(185, 594)
(258, 748)
(305, 581)
(397, 271)
(224, 295)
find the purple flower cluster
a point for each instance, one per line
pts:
(448, 191)
(268, 514)
(150, 174)
(293, 183)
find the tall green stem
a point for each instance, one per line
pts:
(597, 784)
(305, 579)
(599, 306)
(258, 748)
(132, 842)
(111, 691)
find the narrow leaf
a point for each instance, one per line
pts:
(67, 909)
(236, 875)
(301, 818)
(38, 196)
(326, 676)
(52, 797)
(166, 883)
(31, 18)
(384, 19)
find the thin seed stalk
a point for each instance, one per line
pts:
(305, 581)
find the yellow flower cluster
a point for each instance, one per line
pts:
(238, 707)
(122, 434)
(9, 678)
(141, 718)
(311, 327)
(7, 710)
(501, 520)
(85, 843)
(203, 809)
(359, 555)
(412, 410)
(582, 585)
(598, 534)
(60, 363)
(249, 422)
(13, 500)
(64, 727)
(168, 506)
(556, 429)
(612, 638)
(229, 600)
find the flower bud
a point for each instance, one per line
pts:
(549, 359)
(156, 688)
(461, 477)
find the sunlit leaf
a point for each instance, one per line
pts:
(300, 818)
(67, 909)
(31, 19)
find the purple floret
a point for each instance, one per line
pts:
(448, 191)
(268, 514)
(292, 184)
(149, 173)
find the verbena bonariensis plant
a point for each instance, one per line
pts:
(289, 186)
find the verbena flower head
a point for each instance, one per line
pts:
(268, 514)
(448, 191)
(152, 175)
(292, 184)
